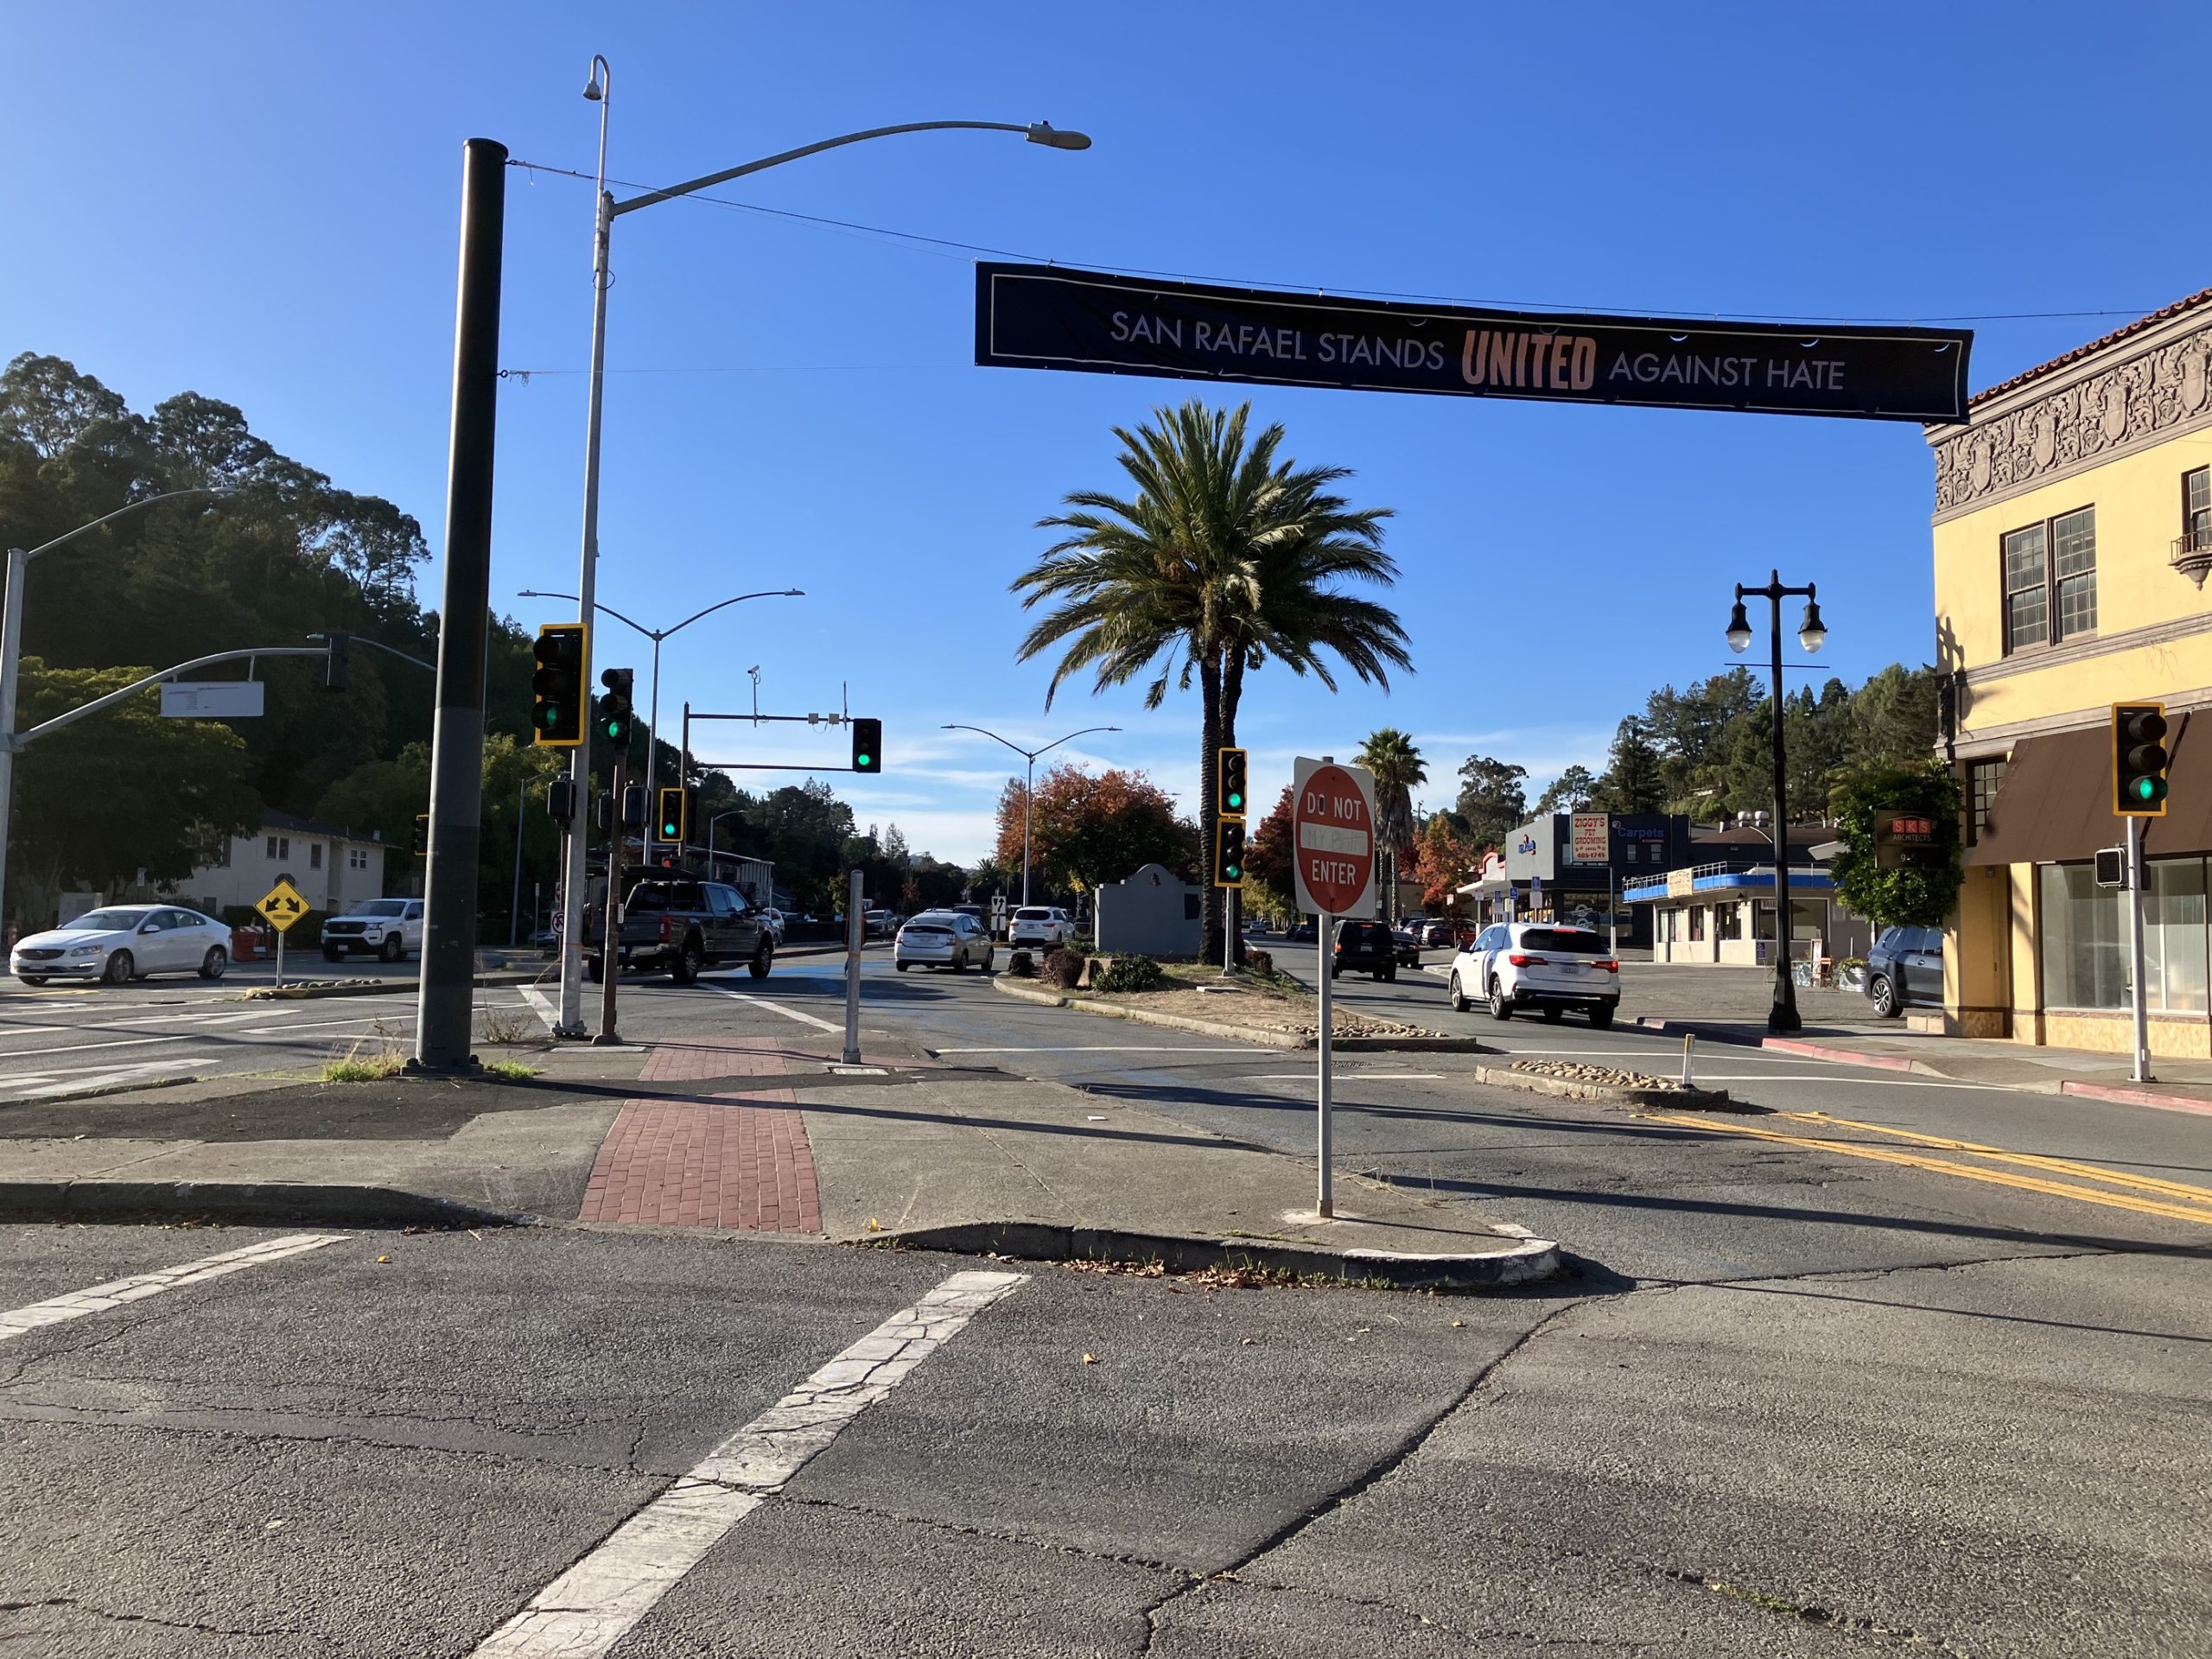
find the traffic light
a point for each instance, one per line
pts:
(2139, 759)
(334, 666)
(421, 845)
(634, 806)
(1230, 802)
(557, 690)
(1229, 853)
(867, 746)
(561, 800)
(674, 818)
(613, 723)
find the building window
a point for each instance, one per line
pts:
(2197, 509)
(223, 854)
(1728, 921)
(357, 859)
(272, 846)
(2085, 938)
(314, 855)
(1763, 924)
(1984, 779)
(1697, 924)
(2051, 580)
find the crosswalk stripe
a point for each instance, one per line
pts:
(775, 1008)
(591, 1606)
(99, 1299)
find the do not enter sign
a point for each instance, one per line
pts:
(1332, 836)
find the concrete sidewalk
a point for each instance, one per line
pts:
(760, 1135)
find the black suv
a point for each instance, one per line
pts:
(1365, 947)
(1905, 968)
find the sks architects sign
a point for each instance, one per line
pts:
(1051, 317)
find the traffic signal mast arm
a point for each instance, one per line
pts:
(15, 740)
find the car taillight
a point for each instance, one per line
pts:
(1607, 967)
(1520, 961)
(667, 929)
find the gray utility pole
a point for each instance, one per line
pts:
(1811, 634)
(1029, 788)
(652, 719)
(11, 655)
(444, 1017)
(610, 938)
(2138, 1004)
(855, 937)
(599, 88)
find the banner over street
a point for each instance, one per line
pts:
(1051, 317)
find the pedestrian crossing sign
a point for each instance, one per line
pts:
(283, 905)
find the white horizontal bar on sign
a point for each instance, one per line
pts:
(1328, 838)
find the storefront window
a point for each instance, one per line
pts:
(1697, 924)
(2173, 937)
(1763, 918)
(2084, 944)
(1728, 921)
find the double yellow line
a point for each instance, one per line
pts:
(2172, 1199)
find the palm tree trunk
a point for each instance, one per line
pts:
(1232, 693)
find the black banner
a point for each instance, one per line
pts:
(1050, 317)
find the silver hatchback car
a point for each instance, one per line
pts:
(943, 938)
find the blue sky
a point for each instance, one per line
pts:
(259, 202)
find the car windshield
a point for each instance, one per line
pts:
(1567, 941)
(1031, 913)
(382, 907)
(106, 921)
(927, 927)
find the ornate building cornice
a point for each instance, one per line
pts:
(2142, 390)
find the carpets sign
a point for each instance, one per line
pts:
(1051, 317)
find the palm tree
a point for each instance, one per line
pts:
(1225, 556)
(1389, 754)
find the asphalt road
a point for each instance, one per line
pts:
(1862, 1395)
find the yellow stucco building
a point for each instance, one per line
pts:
(2073, 531)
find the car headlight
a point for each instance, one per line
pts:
(371, 931)
(86, 949)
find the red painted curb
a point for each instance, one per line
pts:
(1841, 1056)
(2129, 1095)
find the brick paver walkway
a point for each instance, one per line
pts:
(738, 1160)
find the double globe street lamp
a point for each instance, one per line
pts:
(1029, 789)
(599, 89)
(1812, 633)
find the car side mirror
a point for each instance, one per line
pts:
(150, 927)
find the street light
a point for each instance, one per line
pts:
(12, 650)
(1812, 633)
(599, 89)
(653, 747)
(1029, 789)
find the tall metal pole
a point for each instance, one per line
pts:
(610, 938)
(572, 874)
(444, 1014)
(652, 754)
(856, 932)
(2137, 999)
(1325, 1202)
(514, 904)
(12, 652)
(1782, 1016)
(1028, 803)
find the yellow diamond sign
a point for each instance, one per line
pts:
(283, 905)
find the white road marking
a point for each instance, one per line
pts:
(1109, 1048)
(139, 1285)
(589, 1608)
(39, 1086)
(1348, 1077)
(778, 1008)
(543, 1006)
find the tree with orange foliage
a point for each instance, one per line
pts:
(1269, 886)
(1087, 830)
(1445, 860)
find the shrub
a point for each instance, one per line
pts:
(1021, 965)
(1063, 967)
(1129, 973)
(1262, 962)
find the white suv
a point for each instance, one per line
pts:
(1039, 924)
(1537, 965)
(391, 928)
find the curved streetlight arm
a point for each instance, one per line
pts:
(363, 639)
(770, 593)
(1042, 132)
(128, 506)
(1026, 754)
(598, 604)
(1072, 736)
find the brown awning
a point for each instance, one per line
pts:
(2187, 827)
(2055, 804)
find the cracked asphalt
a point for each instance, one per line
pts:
(1793, 1399)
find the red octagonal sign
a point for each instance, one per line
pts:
(1333, 834)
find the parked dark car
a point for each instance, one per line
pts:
(1407, 941)
(1365, 948)
(684, 926)
(1302, 934)
(1905, 969)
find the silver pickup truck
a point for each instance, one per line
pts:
(681, 925)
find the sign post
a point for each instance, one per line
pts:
(281, 907)
(1332, 838)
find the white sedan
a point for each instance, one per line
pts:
(123, 943)
(943, 938)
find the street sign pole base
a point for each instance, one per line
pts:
(608, 1040)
